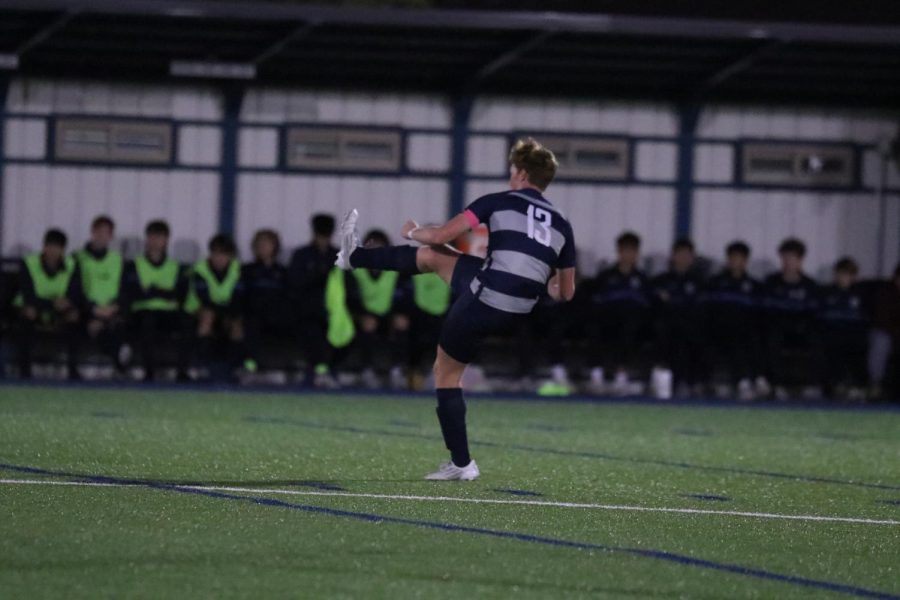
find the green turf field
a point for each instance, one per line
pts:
(215, 494)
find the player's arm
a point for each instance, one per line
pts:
(563, 282)
(561, 286)
(437, 236)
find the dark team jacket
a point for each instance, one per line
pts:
(841, 306)
(307, 274)
(886, 309)
(611, 287)
(265, 290)
(677, 291)
(798, 299)
(727, 293)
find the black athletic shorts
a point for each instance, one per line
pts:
(469, 321)
(464, 272)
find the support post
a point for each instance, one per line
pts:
(688, 115)
(462, 112)
(228, 166)
(4, 91)
(880, 238)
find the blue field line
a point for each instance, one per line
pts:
(517, 492)
(577, 453)
(320, 485)
(298, 389)
(708, 497)
(663, 555)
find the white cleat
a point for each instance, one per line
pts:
(745, 391)
(450, 472)
(621, 385)
(369, 379)
(349, 240)
(762, 387)
(398, 379)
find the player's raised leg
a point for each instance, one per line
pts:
(405, 259)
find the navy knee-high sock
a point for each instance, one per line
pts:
(451, 412)
(387, 258)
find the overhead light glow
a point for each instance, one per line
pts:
(212, 69)
(184, 11)
(9, 62)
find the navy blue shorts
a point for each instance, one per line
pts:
(464, 272)
(469, 320)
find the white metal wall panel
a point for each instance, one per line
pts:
(598, 215)
(37, 197)
(831, 225)
(74, 97)
(25, 138)
(428, 152)
(271, 105)
(196, 103)
(286, 203)
(30, 95)
(858, 232)
(713, 163)
(199, 145)
(656, 161)
(796, 123)
(871, 171)
(487, 155)
(258, 147)
(495, 113)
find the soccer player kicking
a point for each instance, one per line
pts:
(530, 249)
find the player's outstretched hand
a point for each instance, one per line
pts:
(407, 227)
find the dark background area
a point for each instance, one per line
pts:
(683, 52)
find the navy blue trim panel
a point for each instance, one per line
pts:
(4, 91)
(228, 170)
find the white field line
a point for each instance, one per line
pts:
(621, 507)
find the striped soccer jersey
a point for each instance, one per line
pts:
(528, 239)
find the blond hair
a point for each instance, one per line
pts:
(538, 162)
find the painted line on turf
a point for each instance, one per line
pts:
(541, 503)
(301, 390)
(575, 453)
(662, 555)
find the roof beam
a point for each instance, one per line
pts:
(45, 32)
(510, 56)
(742, 64)
(278, 46)
(485, 20)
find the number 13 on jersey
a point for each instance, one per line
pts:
(541, 218)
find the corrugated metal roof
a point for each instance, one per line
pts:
(665, 56)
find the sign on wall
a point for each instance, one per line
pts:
(798, 164)
(112, 140)
(340, 149)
